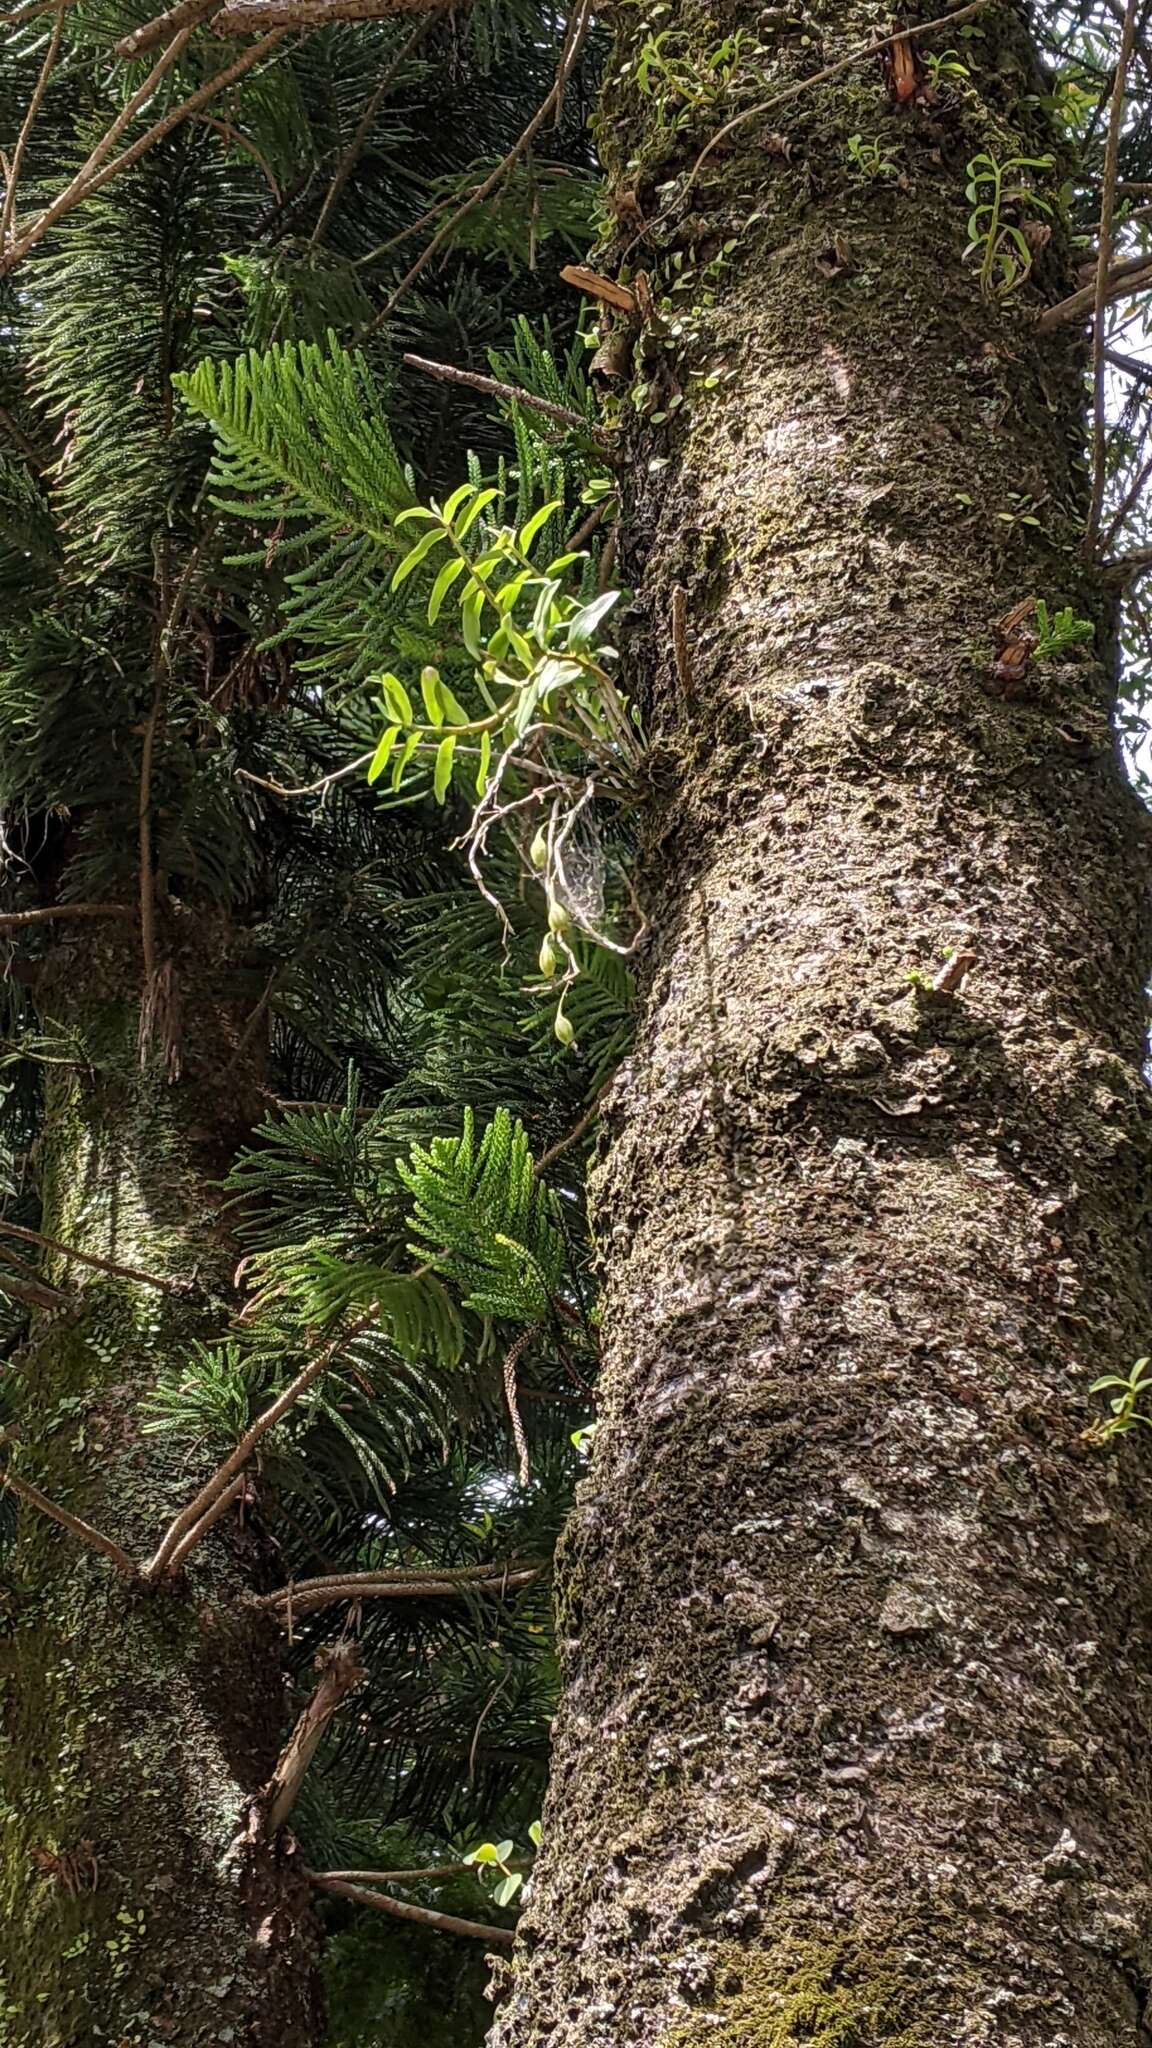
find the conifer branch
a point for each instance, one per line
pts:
(112, 1266)
(232, 1465)
(196, 1535)
(94, 1538)
(402, 1909)
(307, 1596)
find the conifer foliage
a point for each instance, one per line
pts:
(206, 441)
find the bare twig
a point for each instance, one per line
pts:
(915, 31)
(351, 156)
(1100, 293)
(144, 830)
(340, 1672)
(402, 1909)
(235, 1462)
(8, 215)
(571, 1137)
(1132, 496)
(68, 1251)
(94, 1538)
(15, 920)
(449, 374)
(306, 788)
(577, 30)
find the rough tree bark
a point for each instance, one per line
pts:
(854, 1742)
(135, 1724)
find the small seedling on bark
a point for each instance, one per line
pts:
(870, 162)
(1005, 247)
(1126, 1414)
(1058, 631)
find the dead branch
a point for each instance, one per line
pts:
(25, 1287)
(94, 1538)
(7, 217)
(680, 650)
(88, 181)
(351, 156)
(234, 1464)
(619, 296)
(954, 973)
(164, 25)
(68, 1251)
(307, 1596)
(228, 1498)
(1131, 275)
(401, 1909)
(571, 1137)
(82, 183)
(573, 43)
(15, 920)
(340, 1673)
(523, 1470)
(1131, 366)
(1127, 566)
(246, 15)
(449, 374)
(429, 1870)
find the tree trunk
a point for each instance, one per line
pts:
(854, 1742)
(136, 1723)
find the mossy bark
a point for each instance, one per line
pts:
(854, 1740)
(134, 1723)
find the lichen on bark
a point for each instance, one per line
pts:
(852, 1744)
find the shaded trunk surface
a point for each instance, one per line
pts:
(854, 1742)
(135, 1724)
